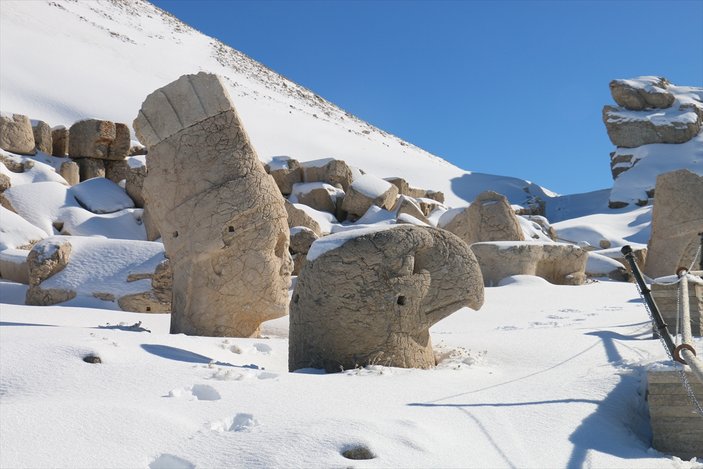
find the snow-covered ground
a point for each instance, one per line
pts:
(541, 376)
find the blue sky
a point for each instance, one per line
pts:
(505, 87)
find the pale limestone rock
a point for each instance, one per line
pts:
(135, 184)
(366, 191)
(59, 141)
(222, 218)
(677, 220)
(318, 195)
(16, 134)
(156, 300)
(13, 265)
(489, 218)
(70, 171)
(116, 170)
(372, 296)
(298, 263)
(90, 168)
(46, 258)
(626, 130)
(286, 172)
(301, 238)
(408, 206)
(104, 140)
(42, 137)
(637, 98)
(298, 217)
(332, 172)
(5, 182)
(561, 264)
(404, 188)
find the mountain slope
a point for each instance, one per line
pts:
(65, 60)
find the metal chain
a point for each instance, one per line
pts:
(680, 368)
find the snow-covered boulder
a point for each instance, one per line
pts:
(558, 263)
(16, 134)
(298, 216)
(329, 170)
(286, 172)
(47, 258)
(369, 297)
(490, 217)
(642, 93)
(318, 195)
(100, 195)
(17, 232)
(13, 265)
(631, 129)
(301, 238)
(366, 191)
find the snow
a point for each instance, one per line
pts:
(371, 186)
(100, 195)
(302, 188)
(541, 376)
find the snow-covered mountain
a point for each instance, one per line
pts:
(66, 60)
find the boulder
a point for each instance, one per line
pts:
(47, 258)
(369, 296)
(99, 139)
(407, 206)
(298, 217)
(222, 218)
(404, 188)
(13, 265)
(286, 172)
(643, 93)
(299, 261)
(100, 195)
(677, 220)
(42, 137)
(366, 191)
(632, 129)
(116, 170)
(301, 238)
(16, 134)
(152, 230)
(156, 300)
(70, 171)
(5, 182)
(59, 141)
(558, 263)
(318, 195)
(135, 183)
(90, 168)
(330, 171)
(489, 218)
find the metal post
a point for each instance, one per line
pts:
(647, 295)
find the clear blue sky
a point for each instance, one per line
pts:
(505, 87)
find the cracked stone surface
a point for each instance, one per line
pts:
(677, 218)
(373, 299)
(46, 258)
(489, 218)
(558, 263)
(221, 217)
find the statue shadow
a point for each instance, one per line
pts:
(185, 356)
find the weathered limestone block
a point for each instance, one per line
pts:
(222, 218)
(561, 264)
(45, 259)
(677, 218)
(636, 98)
(301, 238)
(676, 428)
(370, 296)
(299, 261)
(298, 217)
(152, 230)
(116, 170)
(318, 195)
(16, 134)
(489, 218)
(286, 172)
(366, 191)
(59, 141)
(42, 137)
(135, 184)
(404, 188)
(104, 140)
(13, 265)
(332, 172)
(70, 171)
(156, 300)
(407, 205)
(628, 130)
(90, 168)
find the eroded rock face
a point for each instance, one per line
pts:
(221, 217)
(298, 217)
(46, 258)
(333, 172)
(59, 141)
(116, 170)
(42, 137)
(286, 172)
(90, 168)
(561, 264)
(103, 140)
(372, 298)
(489, 218)
(677, 218)
(637, 98)
(366, 191)
(629, 130)
(135, 184)
(16, 134)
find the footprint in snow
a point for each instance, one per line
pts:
(170, 461)
(262, 348)
(196, 392)
(238, 423)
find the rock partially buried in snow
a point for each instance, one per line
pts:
(100, 195)
(642, 93)
(558, 263)
(47, 258)
(318, 195)
(677, 220)
(366, 191)
(632, 128)
(369, 296)
(286, 172)
(222, 218)
(330, 171)
(489, 218)
(16, 134)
